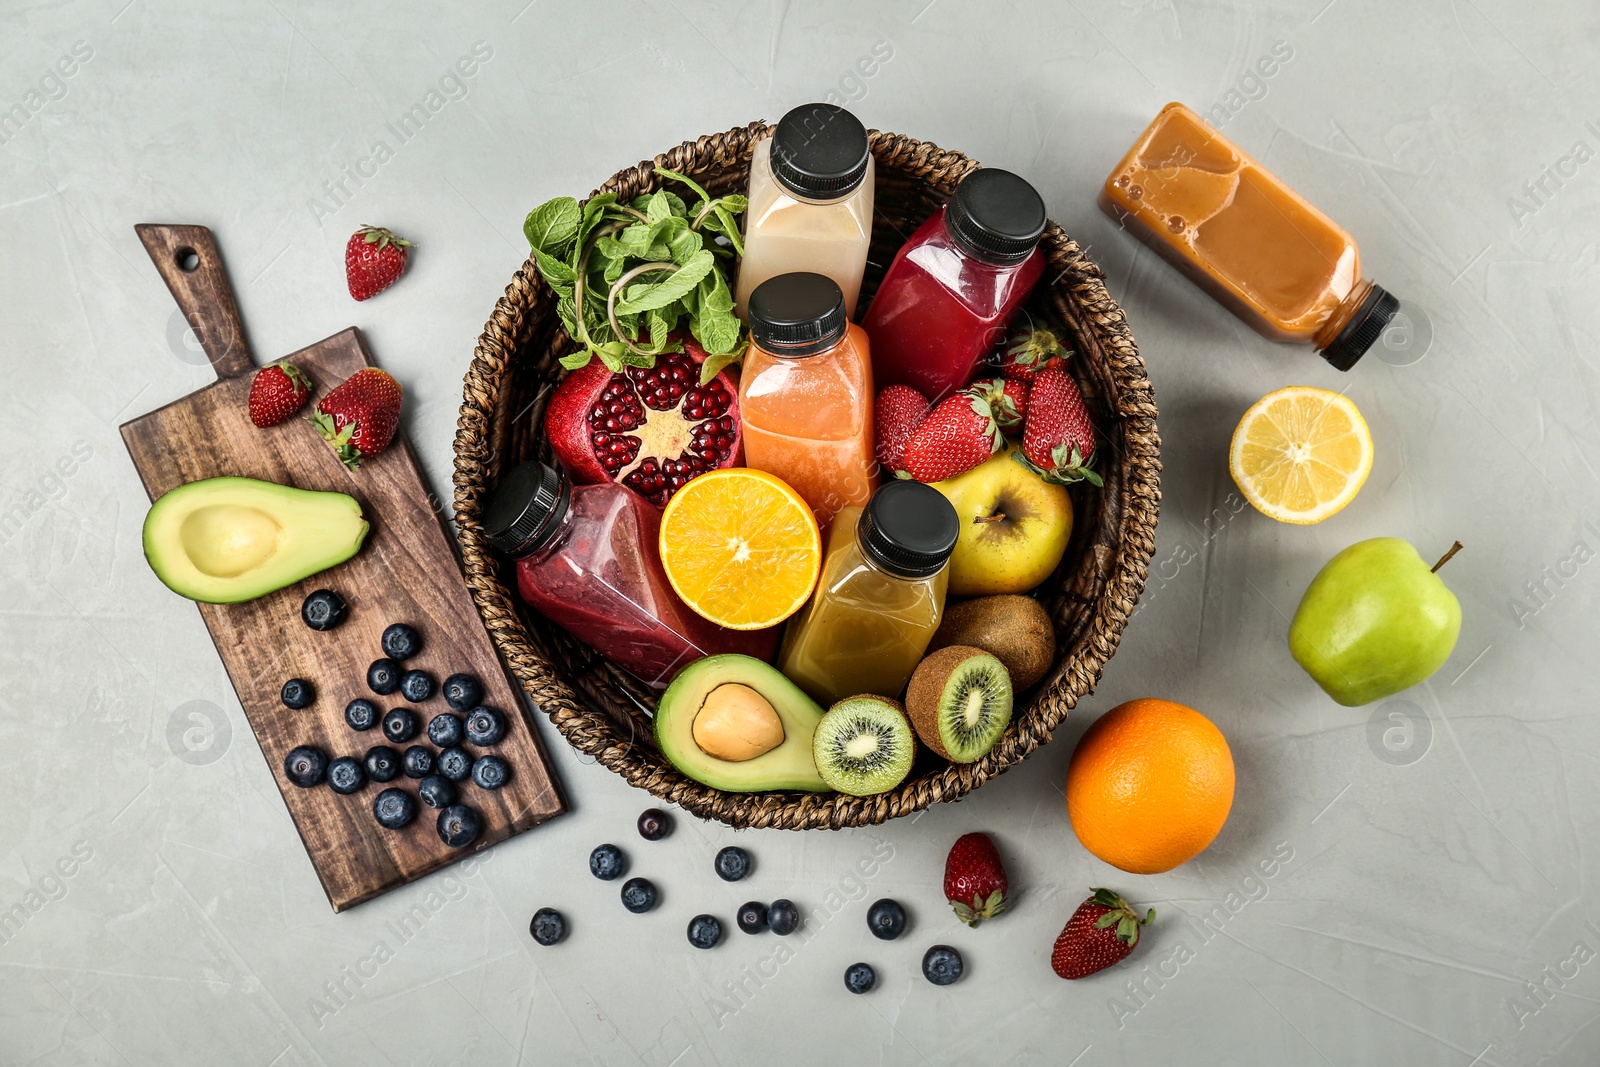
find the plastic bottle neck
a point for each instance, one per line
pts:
(1342, 314)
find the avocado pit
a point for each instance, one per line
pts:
(736, 723)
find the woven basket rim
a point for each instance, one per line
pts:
(1133, 443)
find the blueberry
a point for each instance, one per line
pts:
(394, 809)
(638, 895)
(490, 772)
(860, 978)
(454, 764)
(436, 791)
(346, 775)
(654, 824)
(383, 763)
(705, 931)
(323, 610)
(400, 725)
(305, 765)
(753, 917)
(416, 686)
(462, 692)
(383, 676)
(886, 919)
(608, 862)
(361, 714)
(445, 730)
(548, 926)
(298, 693)
(418, 761)
(732, 863)
(783, 918)
(485, 726)
(401, 642)
(458, 826)
(942, 965)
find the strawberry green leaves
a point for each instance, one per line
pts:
(627, 275)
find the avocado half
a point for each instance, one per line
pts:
(225, 540)
(789, 765)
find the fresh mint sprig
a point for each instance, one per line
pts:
(627, 275)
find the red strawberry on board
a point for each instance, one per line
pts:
(1008, 399)
(276, 392)
(1103, 930)
(358, 418)
(900, 410)
(974, 880)
(373, 260)
(1058, 440)
(1030, 350)
(956, 436)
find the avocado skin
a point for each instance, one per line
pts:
(316, 530)
(788, 766)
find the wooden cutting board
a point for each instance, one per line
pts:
(406, 572)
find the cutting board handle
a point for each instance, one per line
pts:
(191, 265)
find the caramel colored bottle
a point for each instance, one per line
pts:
(1248, 239)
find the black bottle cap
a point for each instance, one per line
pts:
(996, 215)
(797, 314)
(908, 529)
(525, 509)
(819, 151)
(1364, 328)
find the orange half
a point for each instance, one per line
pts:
(740, 547)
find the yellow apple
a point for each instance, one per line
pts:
(1014, 527)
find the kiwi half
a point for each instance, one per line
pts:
(863, 745)
(959, 701)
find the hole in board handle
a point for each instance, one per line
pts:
(188, 260)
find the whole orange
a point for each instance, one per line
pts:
(1150, 785)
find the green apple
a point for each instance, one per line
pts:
(1375, 620)
(1014, 527)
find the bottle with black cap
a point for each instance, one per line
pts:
(879, 599)
(805, 394)
(587, 560)
(1242, 234)
(810, 202)
(947, 297)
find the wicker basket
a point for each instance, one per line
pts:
(604, 712)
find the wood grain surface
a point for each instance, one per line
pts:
(406, 572)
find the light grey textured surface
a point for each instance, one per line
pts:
(1436, 906)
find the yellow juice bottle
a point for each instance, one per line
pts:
(879, 599)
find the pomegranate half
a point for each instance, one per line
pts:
(652, 429)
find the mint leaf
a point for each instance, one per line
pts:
(690, 182)
(574, 360)
(735, 203)
(659, 207)
(718, 332)
(672, 288)
(715, 363)
(553, 270)
(552, 226)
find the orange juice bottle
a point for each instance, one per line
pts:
(1248, 239)
(879, 599)
(805, 393)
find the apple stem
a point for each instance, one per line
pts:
(1457, 547)
(1001, 517)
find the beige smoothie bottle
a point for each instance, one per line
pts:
(810, 203)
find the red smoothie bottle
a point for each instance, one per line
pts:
(587, 559)
(946, 299)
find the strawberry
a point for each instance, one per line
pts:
(1058, 440)
(956, 436)
(359, 417)
(373, 260)
(1030, 350)
(276, 392)
(1103, 930)
(974, 880)
(900, 410)
(1008, 399)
